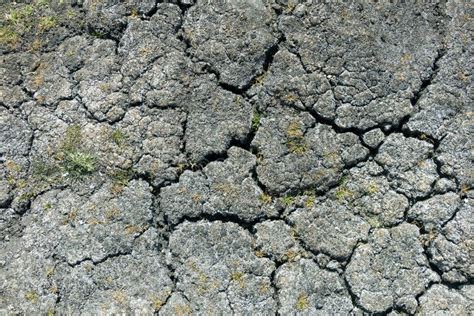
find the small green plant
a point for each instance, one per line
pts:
(79, 163)
(134, 13)
(288, 200)
(256, 120)
(49, 271)
(118, 137)
(16, 22)
(302, 303)
(291, 255)
(98, 34)
(72, 159)
(464, 189)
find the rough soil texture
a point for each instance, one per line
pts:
(248, 157)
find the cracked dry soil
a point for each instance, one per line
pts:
(250, 157)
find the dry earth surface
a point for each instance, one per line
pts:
(248, 157)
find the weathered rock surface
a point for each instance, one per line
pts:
(218, 271)
(451, 250)
(441, 300)
(298, 153)
(305, 288)
(390, 270)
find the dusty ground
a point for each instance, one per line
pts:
(254, 157)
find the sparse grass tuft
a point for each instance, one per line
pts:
(134, 13)
(120, 297)
(330, 156)
(260, 79)
(196, 198)
(291, 255)
(265, 198)
(49, 271)
(290, 98)
(302, 302)
(27, 196)
(72, 138)
(32, 296)
(98, 34)
(238, 277)
(294, 130)
(295, 138)
(120, 178)
(343, 192)
(372, 188)
(8, 36)
(263, 288)
(19, 15)
(182, 310)
(47, 22)
(225, 188)
(71, 217)
(134, 229)
(112, 214)
(297, 147)
(22, 21)
(310, 200)
(464, 189)
(157, 303)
